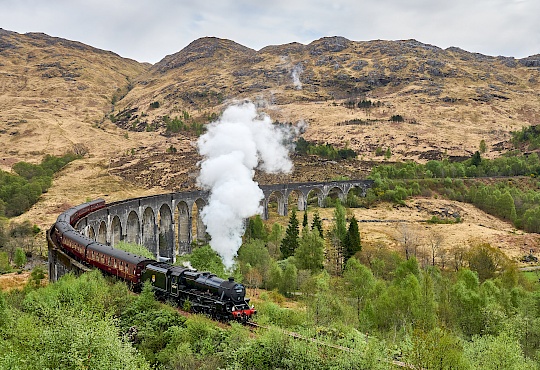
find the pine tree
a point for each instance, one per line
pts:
(476, 159)
(352, 242)
(317, 224)
(290, 242)
(305, 221)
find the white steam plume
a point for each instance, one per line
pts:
(232, 148)
(296, 72)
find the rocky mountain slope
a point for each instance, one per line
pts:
(59, 95)
(55, 93)
(450, 99)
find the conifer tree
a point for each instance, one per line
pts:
(305, 221)
(352, 242)
(290, 242)
(476, 159)
(317, 224)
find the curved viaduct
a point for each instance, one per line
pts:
(167, 224)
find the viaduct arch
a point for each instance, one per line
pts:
(168, 224)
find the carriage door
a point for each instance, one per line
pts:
(174, 285)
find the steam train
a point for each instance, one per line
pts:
(199, 291)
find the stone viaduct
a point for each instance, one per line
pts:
(168, 224)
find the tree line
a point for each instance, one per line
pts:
(22, 188)
(327, 151)
(515, 200)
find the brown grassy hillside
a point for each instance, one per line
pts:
(58, 94)
(55, 93)
(54, 97)
(450, 99)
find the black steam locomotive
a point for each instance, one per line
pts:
(199, 291)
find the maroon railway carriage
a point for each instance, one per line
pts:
(74, 214)
(116, 262)
(72, 242)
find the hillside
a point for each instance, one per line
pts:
(449, 99)
(60, 95)
(459, 303)
(54, 96)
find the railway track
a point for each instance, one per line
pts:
(317, 342)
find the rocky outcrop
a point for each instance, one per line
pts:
(206, 49)
(532, 61)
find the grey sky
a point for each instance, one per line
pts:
(148, 30)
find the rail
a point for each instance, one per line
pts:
(317, 342)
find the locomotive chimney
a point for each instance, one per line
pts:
(231, 279)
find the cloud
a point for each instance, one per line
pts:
(147, 30)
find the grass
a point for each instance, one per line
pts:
(13, 280)
(532, 276)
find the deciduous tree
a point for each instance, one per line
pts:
(20, 258)
(310, 252)
(359, 281)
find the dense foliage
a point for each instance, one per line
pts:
(21, 189)
(529, 136)
(517, 201)
(363, 319)
(67, 325)
(327, 151)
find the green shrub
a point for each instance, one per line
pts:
(20, 258)
(134, 248)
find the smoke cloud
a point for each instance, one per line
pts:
(240, 141)
(295, 74)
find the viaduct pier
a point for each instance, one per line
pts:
(168, 224)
